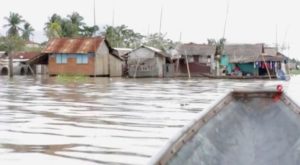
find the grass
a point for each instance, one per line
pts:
(71, 78)
(295, 72)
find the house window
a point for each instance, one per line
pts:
(82, 59)
(61, 59)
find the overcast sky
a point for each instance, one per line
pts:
(249, 21)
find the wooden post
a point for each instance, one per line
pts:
(136, 68)
(266, 66)
(177, 67)
(10, 65)
(31, 70)
(187, 64)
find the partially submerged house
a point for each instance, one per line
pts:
(195, 58)
(146, 62)
(20, 65)
(250, 60)
(91, 56)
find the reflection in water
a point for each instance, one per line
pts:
(100, 121)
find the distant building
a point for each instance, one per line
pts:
(20, 65)
(195, 57)
(80, 56)
(146, 62)
(251, 60)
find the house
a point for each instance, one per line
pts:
(80, 56)
(145, 62)
(20, 65)
(250, 60)
(195, 58)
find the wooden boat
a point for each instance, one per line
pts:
(241, 127)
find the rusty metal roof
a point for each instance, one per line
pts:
(25, 55)
(73, 45)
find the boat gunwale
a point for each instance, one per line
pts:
(188, 131)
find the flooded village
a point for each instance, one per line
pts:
(106, 94)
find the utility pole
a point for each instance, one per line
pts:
(160, 20)
(113, 18)
(225, 24)
(94, 13)
(276, 42)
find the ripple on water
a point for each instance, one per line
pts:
(101, 121)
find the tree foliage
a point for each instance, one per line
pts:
(122, 36)
(219, 45)
(14, 22)
(11, 43)
(27, 31)
(159, 41)
(71, 26)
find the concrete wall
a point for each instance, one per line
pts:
(18, 68)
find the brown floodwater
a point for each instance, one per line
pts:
(102, 120)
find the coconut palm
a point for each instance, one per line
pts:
(14, 20)
(73, 25)
(27, 31)
(54, 30)
(53, 27)
(76, 19)
(89, 31)
(55, 18)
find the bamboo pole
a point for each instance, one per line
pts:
(266, 66)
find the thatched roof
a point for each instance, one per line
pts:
(192, 49)
(270, 51)
(243, 53)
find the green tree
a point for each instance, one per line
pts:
(53, 27)
(218, 44)
(14, 20)
(89, 31)
(159, 41)
(121, 36)
(54, 30)
(27, 31)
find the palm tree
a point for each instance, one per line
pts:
(74, 24)
(54, 30)
(14, 20)
(76, 19)
(55, 18)
(53, 27)
(89, 31)
(27, 31)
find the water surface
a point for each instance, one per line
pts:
(102, 120)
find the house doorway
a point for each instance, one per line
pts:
(4, 71)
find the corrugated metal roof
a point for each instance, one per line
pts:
(25, 55)
(73, 45)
